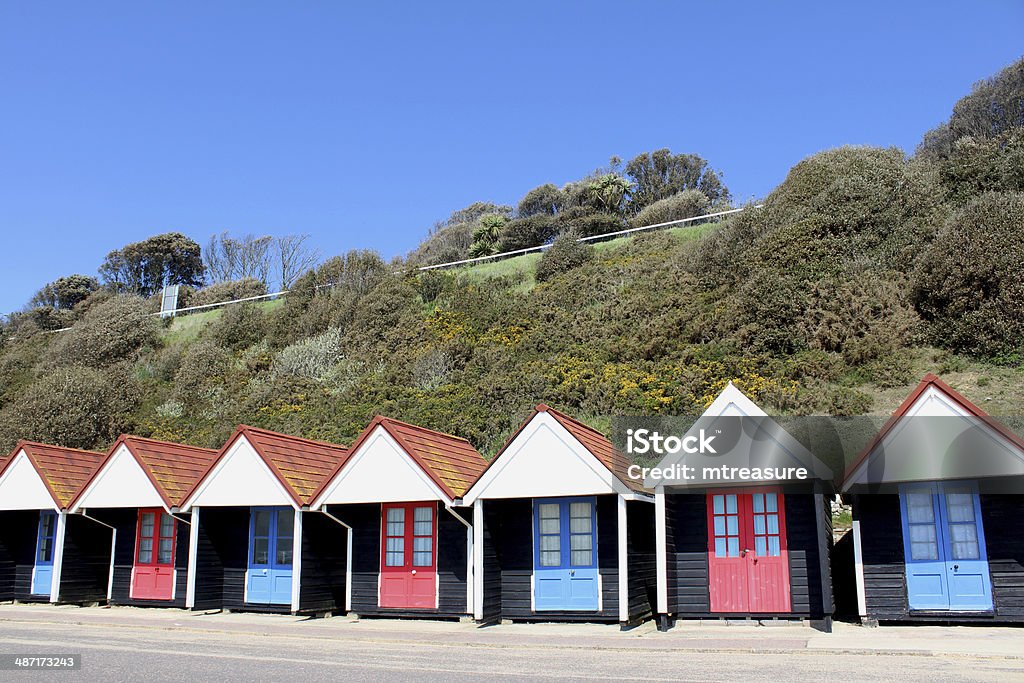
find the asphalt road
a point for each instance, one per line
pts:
(119, 653)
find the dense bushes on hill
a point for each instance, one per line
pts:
(969, 284)
(857, 264)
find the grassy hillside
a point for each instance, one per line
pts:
(865, 269)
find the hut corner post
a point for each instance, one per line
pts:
(824, 527)
(623, 563)
(193, 556)
(58, 556)
(858, 566)
(296, 560)
(661, 550)
(478, 560)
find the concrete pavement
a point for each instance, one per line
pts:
(121, 643)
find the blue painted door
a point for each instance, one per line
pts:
(565, 554)
(271, 531)
(944, 548)
(42, 574)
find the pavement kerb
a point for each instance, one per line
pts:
(437, 634)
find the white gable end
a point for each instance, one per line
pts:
(122, 483)
(932, 448)
(545, 460)
(732, 402)
(380, 471)
(240, 478)
(21, 488)
(769, 446)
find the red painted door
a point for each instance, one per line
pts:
(408, 563)
(748, 561)
(153, 573)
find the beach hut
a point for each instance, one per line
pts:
(255, 545)
(135, 496)
(45, 554)
(734, 544)
(937, 508)
(398, 494)
(561, 531)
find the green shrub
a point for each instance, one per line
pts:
(969, 284)
(227, 291)
(204, 363)
(979, 165)
(431, 283)
(313, 358)
(112, 331)
(78, 407)
(566, 253)
(685, 204)
(238, 327)
(523, 233)
(586, 223)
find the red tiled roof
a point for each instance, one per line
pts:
(301, 465)
(174, 468)
(930, 380)
(451, 462)
(64, 471)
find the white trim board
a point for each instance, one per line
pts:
(120, 483)
(380, 471)
(545, 460)
(241, 478)
(21, 487)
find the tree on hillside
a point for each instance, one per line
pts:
(452, 239)
(229, 258)
(64, 293)
(250, 257)
(546, 199)
(145, 267)
(994, 106)
(660, 174)
(608, 193)
(294, 257)
(486, 234)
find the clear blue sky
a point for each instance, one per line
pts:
(364, 123)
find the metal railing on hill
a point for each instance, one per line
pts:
(463, 262)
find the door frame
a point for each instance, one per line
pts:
(565, 549)
(409, 522)
(53, 551)
(937, 489)
(745, 527)
(272, 538)
(158, 518)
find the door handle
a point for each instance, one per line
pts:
(743, 553)
(956, 567)
(414, 572)
(572, 572)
